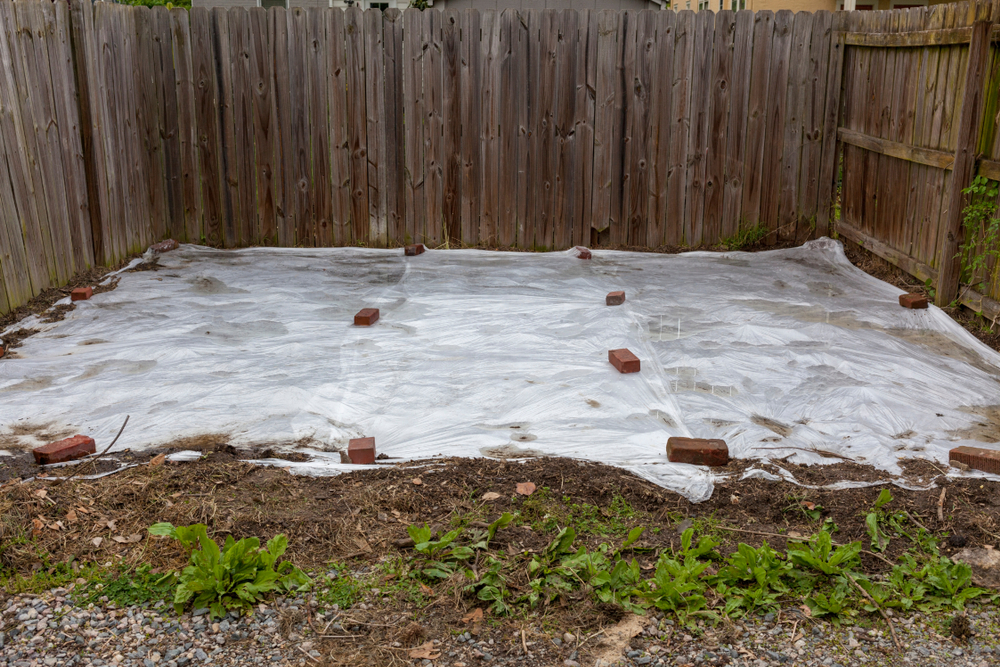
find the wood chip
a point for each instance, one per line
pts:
(417, 481)
(491, 495)
(157, 460)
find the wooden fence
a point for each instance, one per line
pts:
(533, 129)
(920, 91)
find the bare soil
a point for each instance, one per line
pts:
(361, 518)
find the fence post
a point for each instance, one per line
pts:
(965, 159)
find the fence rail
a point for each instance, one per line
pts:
(536, 129)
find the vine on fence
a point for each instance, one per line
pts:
(980, 251)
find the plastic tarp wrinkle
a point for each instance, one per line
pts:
(505, 354)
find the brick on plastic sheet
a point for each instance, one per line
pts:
(987, 460)
(698, 451)
(366, 317)
(81, 293)
(64, 450)
(361, 451)
(624, 360)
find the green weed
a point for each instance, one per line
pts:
(235, 577)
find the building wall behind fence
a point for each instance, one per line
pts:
(321, 127)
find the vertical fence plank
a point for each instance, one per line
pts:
(736, 145)
(583, 126)
(638, 146)
(775, 122)
(186, 123)
(660, 140)
(298, 178)
(264, 125)
(564, 185)
(621, 191)
(474, 87)
(18, 269)
(760, 79)
(375, 107)
(33, 147)
(722, 77)
(680, 105)
(829, 155)
(140, 230)
(239, 63)
(507, 158)
(606, 126)
(413, 119)
(277, 23)
(544, 145)
(68, 117)
(318, 80)
(394, 157)
(155, 74)
(207, 120)
(339, 136)
(488, 144)
(451, 116)
(701, 101)
(814, 90)
(227, 132)
(524, 90)
(85, 56)
(433, 107)
(791, 157)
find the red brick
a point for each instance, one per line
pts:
(987, 460)
(615, 298)
(624, 361)
(697, 451)
(581, 252)
(164, 246)
(81, 293)
(366, 317)
(362, 451)
(65, 450)
(913, 301)
(412, 250)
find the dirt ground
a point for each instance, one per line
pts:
(360, 518)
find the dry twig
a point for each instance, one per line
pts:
(895, 639)
(63, 480)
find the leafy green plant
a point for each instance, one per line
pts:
(752, 579)
(677, 586)
(481, 539)
(234, 577)
(491, 586)
(980, 249)
(836, 604)
(819, 555)
(874, 521)
(441, 560)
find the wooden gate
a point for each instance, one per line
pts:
(918, 123)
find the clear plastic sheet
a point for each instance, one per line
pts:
(505, 355)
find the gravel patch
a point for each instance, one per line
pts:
(50, 629)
